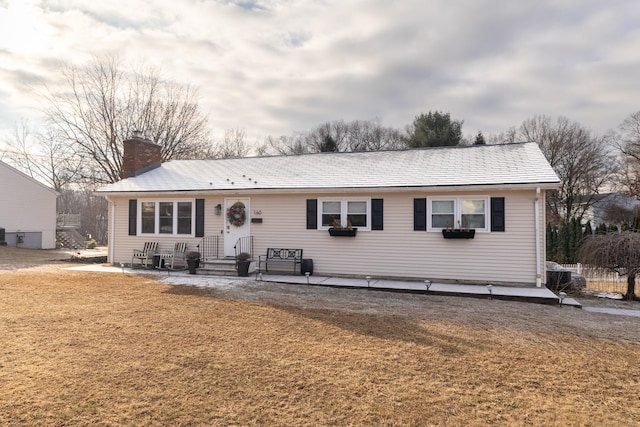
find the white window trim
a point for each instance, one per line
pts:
(175, 217)
(457, 210)
(343, 211)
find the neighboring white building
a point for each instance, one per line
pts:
(399, 201)
(27, 210)
(611, 208)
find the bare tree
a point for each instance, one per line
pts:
(43, 156)
(617, 252)
(233, 145)
(103, 105)
(628, 137)
(579, 158)
(337, 136)
(628, 177)
(627, 140)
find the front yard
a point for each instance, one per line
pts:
(84, 348)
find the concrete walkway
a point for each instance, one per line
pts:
(518, 293)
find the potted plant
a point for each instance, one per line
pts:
(338, 230)
(243, 260)
(193, 261)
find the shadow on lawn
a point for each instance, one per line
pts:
(389, 328)
(386, 327)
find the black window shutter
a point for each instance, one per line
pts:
(312, 214)
(133, 217)
(419, 214)
(377, 217)
(199, 217)
(497, 214)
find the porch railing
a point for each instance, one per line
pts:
(209, 248)
(244, 244)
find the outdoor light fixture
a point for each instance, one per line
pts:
(490, 289)
(218, 209)
(427, 283)
(368, 279)
(306, 273)
(563, 295)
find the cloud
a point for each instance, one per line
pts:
(274, 67)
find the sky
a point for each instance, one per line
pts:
(283, 66)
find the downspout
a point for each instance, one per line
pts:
(111, 234)
(536, 210)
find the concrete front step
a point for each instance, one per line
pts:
(221, 267)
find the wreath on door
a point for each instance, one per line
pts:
(237, 214)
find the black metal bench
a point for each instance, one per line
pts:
(279, 256)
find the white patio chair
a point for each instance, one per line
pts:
(144, 255)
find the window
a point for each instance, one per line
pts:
(458, 212)
(184, 217)
(166, 217)
(345, 211)
(148, 217)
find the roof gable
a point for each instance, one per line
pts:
(505, 164)
(12, 173)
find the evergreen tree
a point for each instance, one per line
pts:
(435, 129)
(552, 240)
(479, 139)
(563, 242)
(588, 231)
(636, 223)
(613, 228)
(602, 229)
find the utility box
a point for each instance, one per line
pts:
(3, 242)
(558, 280)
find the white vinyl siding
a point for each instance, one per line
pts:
(397, 251)
(27, 207)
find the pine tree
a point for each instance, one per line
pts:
(602, 229)
(588, 231)
(552, 242)
(563, 242)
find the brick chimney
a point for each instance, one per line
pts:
(140, 155)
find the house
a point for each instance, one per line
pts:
(610, 208)
(27, 210)
(399, 201)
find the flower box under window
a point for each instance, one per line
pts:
(338, 232)
(458, 234)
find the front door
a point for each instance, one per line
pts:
(237, 223)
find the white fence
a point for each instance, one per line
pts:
(601, 279)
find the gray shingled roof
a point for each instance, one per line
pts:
(482, 165)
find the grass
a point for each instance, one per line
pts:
(79, 348)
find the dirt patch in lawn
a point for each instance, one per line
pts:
(82, 348)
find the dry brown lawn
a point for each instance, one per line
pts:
(81, 348)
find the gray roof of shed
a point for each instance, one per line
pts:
(479, 165)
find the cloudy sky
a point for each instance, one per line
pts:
(273, 67)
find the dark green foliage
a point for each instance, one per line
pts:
(435, 129)
(588, 231)
(624, 226)
(613, 228)
(552, 242)
(636, 223)
(328, 145)
(602, 229)
(479, 139)
(564, 241)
